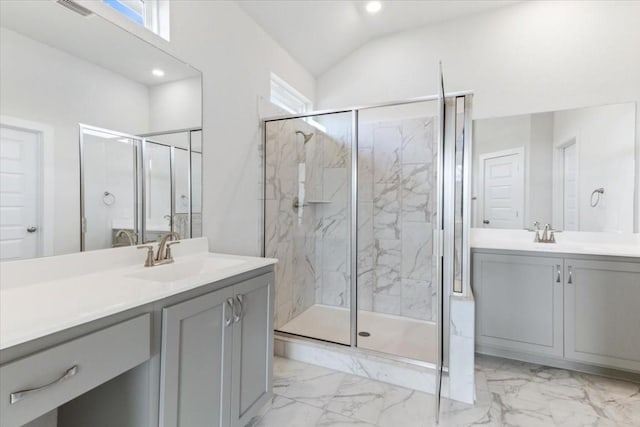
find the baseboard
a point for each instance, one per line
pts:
(559, 363)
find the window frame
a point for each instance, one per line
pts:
(154, 16)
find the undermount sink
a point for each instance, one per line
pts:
(183, 269)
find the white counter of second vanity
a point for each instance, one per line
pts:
(571, 304)
(97, 339)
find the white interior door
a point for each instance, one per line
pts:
(570, 188)
(19, 215)
(503, 189)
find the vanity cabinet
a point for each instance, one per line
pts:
(602, 313)
(519, 302)
(558, 309)
(40, 382)
(251, 381)
(217, 355)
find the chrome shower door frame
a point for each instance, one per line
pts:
(444, 230)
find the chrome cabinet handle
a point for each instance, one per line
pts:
(570, 281)
(228, 310)
(17, 396)
(240, 299)
(558, 273)
(237, 316)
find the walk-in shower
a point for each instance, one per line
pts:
(362, 218)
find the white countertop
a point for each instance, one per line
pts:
(570, 242)
(52, 301)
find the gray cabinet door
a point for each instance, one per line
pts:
(252, 349)
(196, 361)
(602, 313)
(518, 302)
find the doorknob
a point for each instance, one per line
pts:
(32, 229)
(486, 221)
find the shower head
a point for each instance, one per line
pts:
(307, 136)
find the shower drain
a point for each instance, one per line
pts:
(364, 334)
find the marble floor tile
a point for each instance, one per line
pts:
(509, 393)
(359, 398)
(288, 412)
(309, 384)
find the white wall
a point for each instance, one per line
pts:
(176, 105)
(604, 138)
(43, 84)
(528, 57)
(236, 57)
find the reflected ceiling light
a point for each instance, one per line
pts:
(157, 72)
(374, 7)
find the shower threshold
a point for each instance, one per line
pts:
(395, 335)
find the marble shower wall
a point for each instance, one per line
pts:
(311, 241)
(333, 240)
(289, 232)
(396, 193)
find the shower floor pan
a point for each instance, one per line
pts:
(395, 335)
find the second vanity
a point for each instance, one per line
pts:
(98, 339)
(571, 304)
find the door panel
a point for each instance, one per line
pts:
(601, 313)
(519, 302)
(19, 227)
(252, 349)
(196, 362)
(503, 182)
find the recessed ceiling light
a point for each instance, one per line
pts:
(157, 72)
(374, 7)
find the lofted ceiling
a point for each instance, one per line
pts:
(320, 33)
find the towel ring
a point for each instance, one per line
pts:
(597, 192)
(108, 198)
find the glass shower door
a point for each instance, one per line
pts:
(307, 224)
(397, 213)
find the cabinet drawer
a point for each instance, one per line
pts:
(36, 384)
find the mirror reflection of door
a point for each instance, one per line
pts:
(19, 194)
(501, 190)
(570, 187)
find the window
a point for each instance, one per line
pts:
(286, 97)
(151, 14)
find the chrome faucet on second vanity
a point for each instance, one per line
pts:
(548, 234)
(163, 256)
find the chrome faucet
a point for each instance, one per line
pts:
(536, 231)
(548, 233)
(130, 236)
(163, 256)
(164, 249)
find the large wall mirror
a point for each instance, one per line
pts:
(573, 169)
(101, 135)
